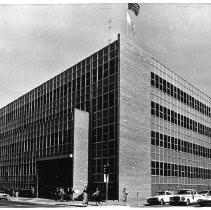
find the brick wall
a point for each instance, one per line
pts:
(134, 142)
(80, 156)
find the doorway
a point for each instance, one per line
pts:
(54, 173)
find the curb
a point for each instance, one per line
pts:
(64, 203)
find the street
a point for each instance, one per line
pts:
(17, 204)
(21, 204)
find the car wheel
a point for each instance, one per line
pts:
(162, 202)
(199, 201)
(188, 202)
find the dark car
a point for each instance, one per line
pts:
(25, 193)
(206, 198)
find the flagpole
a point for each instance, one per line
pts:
(126, 20)
(109, 29)
(135, 8)
(127, 26)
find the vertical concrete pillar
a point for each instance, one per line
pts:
(134, 139)
(80, 150)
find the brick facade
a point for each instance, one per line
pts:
(80, 157)
(134, 139)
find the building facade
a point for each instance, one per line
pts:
(118, 106)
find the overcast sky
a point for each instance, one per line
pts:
(38, 42)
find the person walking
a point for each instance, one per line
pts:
(13, 193)
(61, 193)
(69, 194)
(32, 192)
(96, 196)
(85, 197)
(56, 194)
(124, 195)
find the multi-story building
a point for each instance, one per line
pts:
(119, 106)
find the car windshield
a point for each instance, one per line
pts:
(184, 192)
(160, 193)
(203, 192)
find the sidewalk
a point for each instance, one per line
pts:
(63, 203)
(57, 203)
(45, 201)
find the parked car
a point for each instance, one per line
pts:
(4, 195)
(185, 196)
(205, 193)
(25, 193)
(205, 200)
(161, 197)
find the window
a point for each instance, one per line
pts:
(153, 137)
(152, 108)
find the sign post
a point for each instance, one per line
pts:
(106, 189)
(106, 179)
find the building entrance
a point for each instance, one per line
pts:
(54, 173)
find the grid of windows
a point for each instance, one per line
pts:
(170, 169)
(178, 94)
(40, 123)
(104, 118)
(178, 119)
(174, 143)
(180, 129)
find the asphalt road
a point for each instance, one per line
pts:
(19, 204)
(16, 204)
(171, 206)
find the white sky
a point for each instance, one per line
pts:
(38, 42)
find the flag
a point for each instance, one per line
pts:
(130, 23)
(134, 7)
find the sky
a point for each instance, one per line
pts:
(38, 41)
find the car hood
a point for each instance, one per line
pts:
(154, 197)
(182, 195)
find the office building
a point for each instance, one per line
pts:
(118, 106)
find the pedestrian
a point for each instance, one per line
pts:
(16, 194)
(13, 193)
(96, 196)
(61, 193)
(57, 193)
(85, 197)
(125, 193)
(33, 192)
(69, 194)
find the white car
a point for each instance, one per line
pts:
(161, 197)
(4, 195)
(185, 196)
